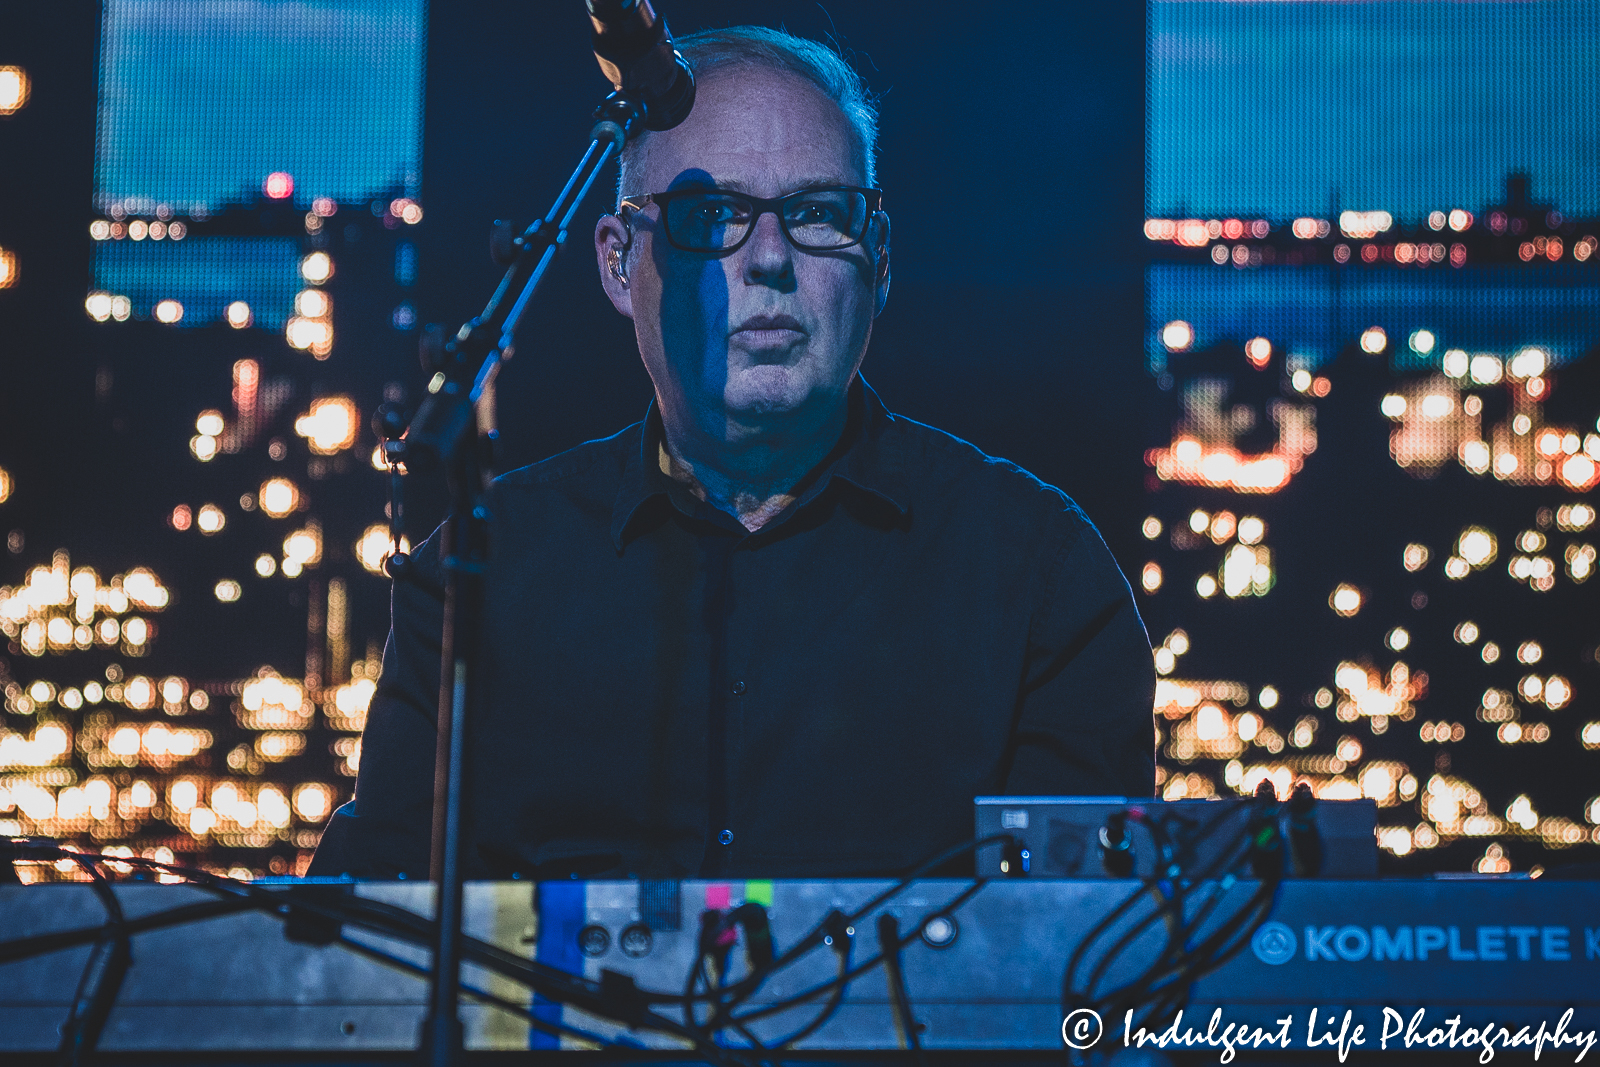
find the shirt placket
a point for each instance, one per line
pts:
(721, 699)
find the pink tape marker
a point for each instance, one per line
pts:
(717, 896)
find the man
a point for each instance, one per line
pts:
(772, 630)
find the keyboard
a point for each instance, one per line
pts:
(988, 975)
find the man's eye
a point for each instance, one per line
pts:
(715, 211)
(813, 213)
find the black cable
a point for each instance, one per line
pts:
(1170, 977)
(103, 973)
(1264, 843)
(512, 1007)
(714, 943)
(720, 995)
(743, 989)
(817, 1022)
(1230, 938)
(1179, 930)
(1177, 967)
(717, 995)
(1152, 883)
(380, 918)
(697, 975)
(1179, 925)
(1177, 989)
(867, 965)
(551, 983)
(1171, 911)
(393, 921)
(547, 981)
(23, 948)
(70, 1029)
(833, 929)
(899, 996)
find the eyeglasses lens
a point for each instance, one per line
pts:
(821, 219)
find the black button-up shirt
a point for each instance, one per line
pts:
(671, 695)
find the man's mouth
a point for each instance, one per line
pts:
(761, 331)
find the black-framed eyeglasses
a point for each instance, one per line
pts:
(822, 219)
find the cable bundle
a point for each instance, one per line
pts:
(318, 914)
(1184, 900)
(713, 1015)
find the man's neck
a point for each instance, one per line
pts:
(755, 479)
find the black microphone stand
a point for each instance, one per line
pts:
(455, 429)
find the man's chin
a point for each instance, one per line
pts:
(765, 391)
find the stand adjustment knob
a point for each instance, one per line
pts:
(501, 247)
(388, 422)
(430, 348)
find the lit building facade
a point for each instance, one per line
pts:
(1374, 449)
(257, 189)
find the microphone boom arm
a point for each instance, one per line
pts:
(454, 429)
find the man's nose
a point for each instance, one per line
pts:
(769, 257)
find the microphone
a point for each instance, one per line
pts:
(635, 52)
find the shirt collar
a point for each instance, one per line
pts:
(868, 459)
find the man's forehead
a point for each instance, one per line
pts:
(695, 178)
(753, 127)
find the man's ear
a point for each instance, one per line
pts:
(611, 242)
(880, 262)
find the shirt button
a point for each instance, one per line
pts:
(726, 837)
(737, 687)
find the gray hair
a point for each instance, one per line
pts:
(745, 47)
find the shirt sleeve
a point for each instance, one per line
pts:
(1085, 721)
(386, 830)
